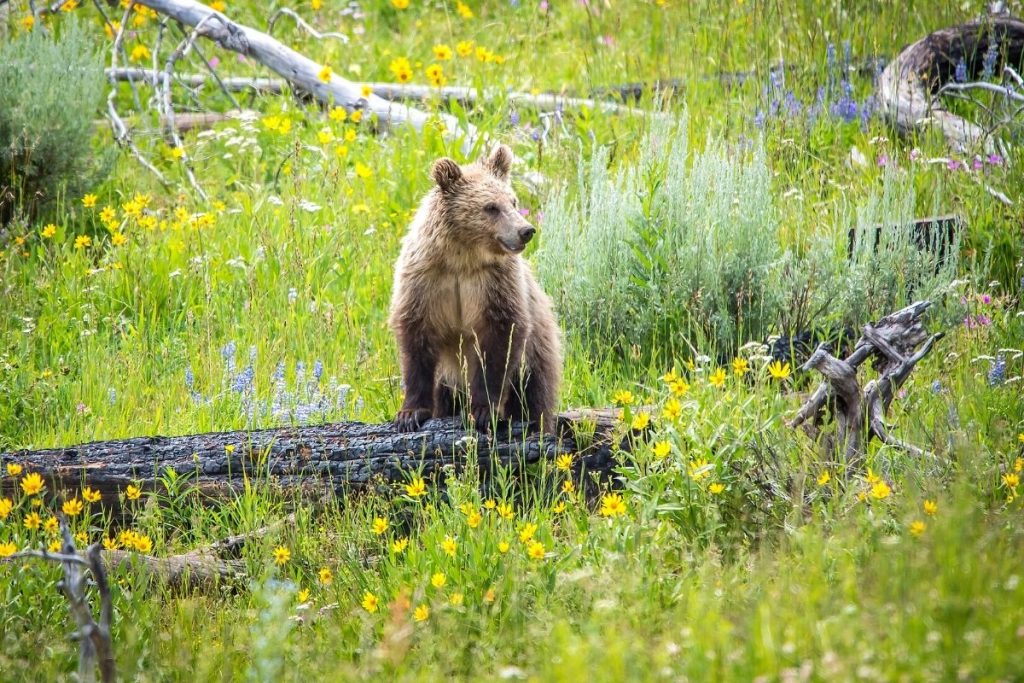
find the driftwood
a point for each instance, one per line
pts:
(316, 459)
(895, 344)
(908, 89)
(300, 71)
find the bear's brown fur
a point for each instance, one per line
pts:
(472, 323)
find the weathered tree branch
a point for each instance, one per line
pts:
(892, 342)
(302, 72)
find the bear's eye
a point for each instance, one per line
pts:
(492, 209)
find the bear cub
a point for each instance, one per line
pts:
(472, 324)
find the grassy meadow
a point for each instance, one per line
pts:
(675, 238)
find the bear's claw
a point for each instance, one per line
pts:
(411, 420)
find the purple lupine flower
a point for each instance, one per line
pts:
(986, 299)
(190, 378)
(936, 387)
(955, 165)
(960, 73)
(883, 160)
(988, 63)
(759, 118)
(513, 118)
(318, 370)
(915, 154)
(995, 160)
(997, 372)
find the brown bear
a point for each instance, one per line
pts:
(472, 323)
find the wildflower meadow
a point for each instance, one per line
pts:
(714, 184)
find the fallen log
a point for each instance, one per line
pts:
(896, 343)
(908, 88)
(315, 460)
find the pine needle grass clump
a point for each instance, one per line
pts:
(50, 90)
(675, 248)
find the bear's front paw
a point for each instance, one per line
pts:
(481, 416)
(411, 420)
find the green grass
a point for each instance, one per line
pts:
(775, 576)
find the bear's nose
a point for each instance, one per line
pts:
(526, 234)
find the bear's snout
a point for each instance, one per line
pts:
(526, 233)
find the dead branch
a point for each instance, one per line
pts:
(893, 344)
(95, 646)
(301, 23)
(301, 72)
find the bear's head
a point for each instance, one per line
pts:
(479, 206)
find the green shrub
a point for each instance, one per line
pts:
(50, 91)
(683, 252)
(670, 250)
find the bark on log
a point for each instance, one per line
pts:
(316, 459)
(303, 73)
(908, 88)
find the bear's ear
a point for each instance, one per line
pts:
(446, 173)
(500, 161)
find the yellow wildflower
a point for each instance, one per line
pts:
(49, 230)
(716, 488)
(73, 507)
(303, 595)
(82, 241)
(140, 53)
(559, 507)
(380, 525)
(505, 511)
(363, 171)
(456, 599)
(672, 410)
(779, 370)
(365, 91)
(679, 387)
(612, 505)
(449, 546)
(564, 461)
(32, 521)
(641, 421)
(370, 602)
(930, 507)
(109, 543)
(14, 469)
(535, 550)
(438, 580)
(281, 555)
(143, 543)
(399, 545)
(118, 238)
(917, 527)
(55, 546)
(717, 378)
(740, 366)
(503, 547)
(326, 576)
(662, 449)
(442, 52)
(623, 398)
(568, 486)
(400, 4)
(32, 484)
(8, 549)
(422, 612)
(824, 478)
(698, 469)
(356, 117)
(338, 114)
(880, 490)
(527, 531)
(464, 11)
(474, 519)
(89, 201)
(51, 525)
(325, 74)
(1011, 480)
(6, 505)
(417, 488)
(489, 504)
(464, 48)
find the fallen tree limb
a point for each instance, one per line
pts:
(859, 414)
(317, 459)
(908, 89)
(300, 71)
(390, 91)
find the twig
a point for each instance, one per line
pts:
(117, 124)
(1006, 91)
(302, 23)
(213, 72)
(95, 646)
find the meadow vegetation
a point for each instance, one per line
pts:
(675, 239)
